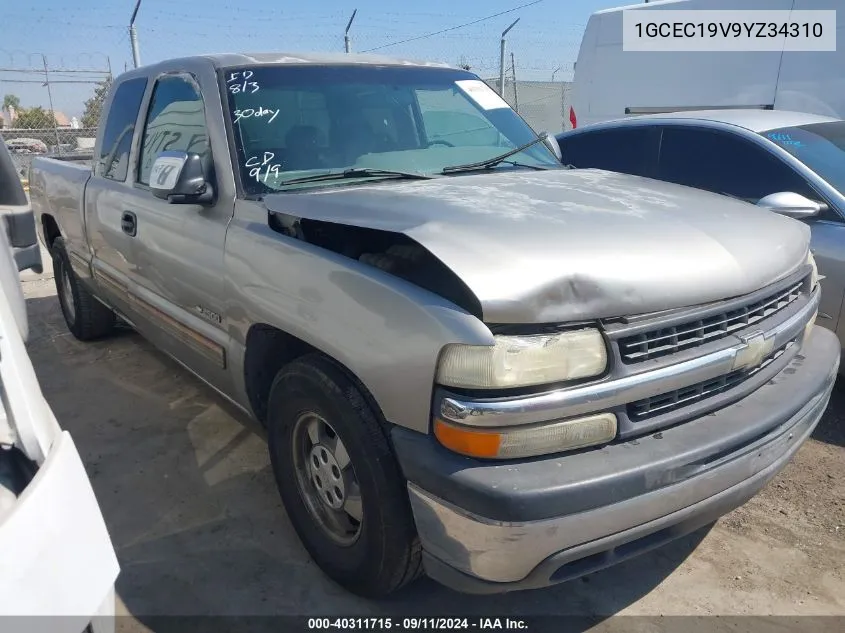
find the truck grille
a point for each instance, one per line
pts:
(672, 400)
(669, 340)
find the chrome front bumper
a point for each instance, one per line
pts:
(492, 527)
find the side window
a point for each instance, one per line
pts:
(725, 164)
(175, 121)
(454, 121)
(626, 150)
(113, 161)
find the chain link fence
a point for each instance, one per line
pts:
(543, 104)
(49, 111)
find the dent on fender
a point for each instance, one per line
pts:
(386, 331)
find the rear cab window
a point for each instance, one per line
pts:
(113, 160)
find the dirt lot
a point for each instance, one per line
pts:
(187, 492)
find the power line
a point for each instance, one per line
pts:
(453, 28)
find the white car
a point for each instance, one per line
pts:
(57, 556)
(610, 83)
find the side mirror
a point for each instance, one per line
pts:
(552, 144)
(180, 178)
(792, 205)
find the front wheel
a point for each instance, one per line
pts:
(86, 318)
(339, 481)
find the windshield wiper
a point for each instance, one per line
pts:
(356, 172)
(496, 160)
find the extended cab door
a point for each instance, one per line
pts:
(112, 248)
(178, 300)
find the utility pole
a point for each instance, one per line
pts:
(515, 95)
(502, 59)
(133, 36)
(346, 32)
(50, 99)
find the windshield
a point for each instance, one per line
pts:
(291, 121)
(820, 146)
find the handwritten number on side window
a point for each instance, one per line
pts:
(239, 82)
(262, 167)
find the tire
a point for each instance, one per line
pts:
(86, 318)
(385, 554)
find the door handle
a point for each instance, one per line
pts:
(129, 223)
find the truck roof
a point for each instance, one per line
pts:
(229, 60)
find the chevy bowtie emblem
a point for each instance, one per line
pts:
(756, 347)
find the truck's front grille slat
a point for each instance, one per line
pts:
(670, 340)
(672, 400)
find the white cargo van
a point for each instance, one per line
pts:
(611, 83)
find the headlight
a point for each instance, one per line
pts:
(814, 277)
(522, 361)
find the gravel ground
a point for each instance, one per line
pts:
(188, 495)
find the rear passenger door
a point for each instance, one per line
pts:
(179, 276)
(112, 250)
(627, 150)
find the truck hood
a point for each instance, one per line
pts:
(568, 245)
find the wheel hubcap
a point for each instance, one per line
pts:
(326, 479)
(67, 295)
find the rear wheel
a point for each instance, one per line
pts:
(86, 318)
(339, 481)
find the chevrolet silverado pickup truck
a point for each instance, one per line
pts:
(471, 360)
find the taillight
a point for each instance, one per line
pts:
(572, 118)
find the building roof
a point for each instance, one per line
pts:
(8, 120)
(61, 118)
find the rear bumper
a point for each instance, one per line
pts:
(58, 559)
(489, 528)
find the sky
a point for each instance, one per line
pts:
(91, 35)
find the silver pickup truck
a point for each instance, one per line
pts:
(470, 359)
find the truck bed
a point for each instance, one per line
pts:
(57, 187)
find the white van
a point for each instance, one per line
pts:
(612, 84)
